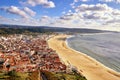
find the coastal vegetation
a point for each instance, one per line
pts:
(6, 31)
(13, 75)
(63, 76)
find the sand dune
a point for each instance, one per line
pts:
(89, 67)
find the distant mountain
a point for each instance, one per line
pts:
(11, 29)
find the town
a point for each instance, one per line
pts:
(24, 54)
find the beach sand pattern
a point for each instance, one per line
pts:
(89, 67)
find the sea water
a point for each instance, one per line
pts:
(104, 47)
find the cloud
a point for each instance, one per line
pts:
(98, 11)
(116, 1)
(81, 0)
(44, 3)
(76, 1)
(63, 12)
(45, 20)
(15, 10)
(97, 7)
(4, 20)
(95, 16)
(22, 12)
(84, 0)
(94, 11)
(113, 21)
(67, 16)
(49, 4)
(116, 12)
(29, 11)
(45, 17)
(91, 15)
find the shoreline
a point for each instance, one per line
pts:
(91, 69)
(90, 56)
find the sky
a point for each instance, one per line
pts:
(93, 14)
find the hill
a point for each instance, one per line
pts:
(12, 29)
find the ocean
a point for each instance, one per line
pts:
(104, 47)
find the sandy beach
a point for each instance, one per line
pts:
(90, 68)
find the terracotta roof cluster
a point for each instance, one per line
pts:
(27, 53)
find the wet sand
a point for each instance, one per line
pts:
(89, 67)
